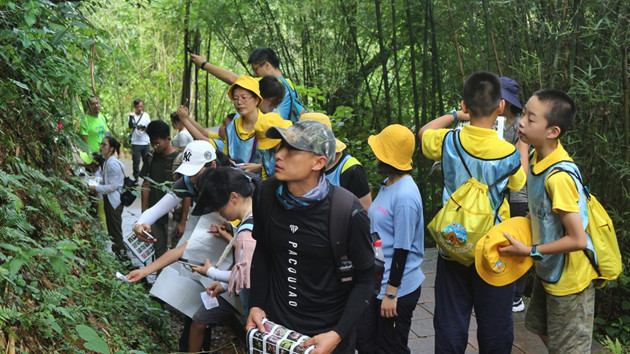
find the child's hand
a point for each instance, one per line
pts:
(204, 268)
(516, 247)
(136, 274)
(182, 112)
(215, 289)
(221, 231)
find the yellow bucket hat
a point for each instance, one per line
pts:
(494, 268)
(324, 119)
(394, 146)
(248, 83)
(265, 122)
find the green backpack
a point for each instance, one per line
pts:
(607, 258)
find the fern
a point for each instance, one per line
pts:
(9, 315)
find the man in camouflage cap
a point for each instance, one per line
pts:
(295, 279)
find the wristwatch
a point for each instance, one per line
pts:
(535, 254)
(391, 296)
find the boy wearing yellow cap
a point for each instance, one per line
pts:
(266, 145)
(459, 288)
(563, 297)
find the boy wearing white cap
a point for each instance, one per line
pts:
(196, 158)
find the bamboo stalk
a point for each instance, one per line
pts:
(459, 55)
(626, 97)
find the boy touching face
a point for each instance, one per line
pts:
(561, 310)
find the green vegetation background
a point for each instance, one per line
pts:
(366, 63)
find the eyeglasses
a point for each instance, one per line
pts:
(243, 99)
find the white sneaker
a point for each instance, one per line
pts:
(518, 306)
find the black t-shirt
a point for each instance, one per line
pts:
(353, 178)
(294, 275)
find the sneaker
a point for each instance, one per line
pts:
(518, 306)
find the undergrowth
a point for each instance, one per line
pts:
(58, 292)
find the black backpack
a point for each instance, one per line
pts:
(127, 197)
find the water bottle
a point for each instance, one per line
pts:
(379, 264)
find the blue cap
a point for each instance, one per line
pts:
(509, 91)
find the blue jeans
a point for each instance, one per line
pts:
(459, 289)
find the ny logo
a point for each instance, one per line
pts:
(293, 228)
(187, 155)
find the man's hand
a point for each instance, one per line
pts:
(136, 274)
(324, 342)
(388, 307)
(256, 315)
(182, 112)
(92, 189)
(215, 289)
(138, 228)
(516, 247)
(204, 268)
(197, 59)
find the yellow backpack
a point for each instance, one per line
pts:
(466, 217)
(607, 258)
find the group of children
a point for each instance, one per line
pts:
(561, 310)
(223, 174)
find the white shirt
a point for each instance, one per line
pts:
(140, 137)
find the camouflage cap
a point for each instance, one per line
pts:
(307, 135)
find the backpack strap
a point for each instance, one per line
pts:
(454, 132)
(266, 194)
(340, 214)
(576, 176)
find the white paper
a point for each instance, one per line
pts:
(202, 245)
(180, 292)
(208, 301)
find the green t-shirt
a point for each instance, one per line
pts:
(95, 128)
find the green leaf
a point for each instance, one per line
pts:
(19, 84)
(29, 17)
(93, 341)
(58, 264)
(55, 326)
(80, 24)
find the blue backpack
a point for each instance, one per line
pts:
(297, 107)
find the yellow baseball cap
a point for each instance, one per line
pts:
(265, 122)
(394, 146)
(248, 83)
(324, 119)
(497, 269)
